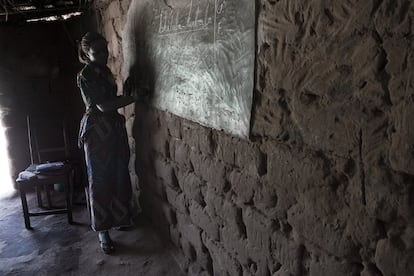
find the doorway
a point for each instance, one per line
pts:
(6, 184)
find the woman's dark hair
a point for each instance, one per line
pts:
(85, 44)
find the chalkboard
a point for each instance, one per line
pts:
(197, 56)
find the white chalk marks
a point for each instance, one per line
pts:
(202, 53)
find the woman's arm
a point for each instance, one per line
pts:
(116, 103)
(138, 91)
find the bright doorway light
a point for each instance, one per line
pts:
(6, 184)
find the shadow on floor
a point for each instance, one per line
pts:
(54, 247)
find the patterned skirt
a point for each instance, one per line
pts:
(104, 140)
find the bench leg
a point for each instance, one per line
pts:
(25, 208)
(68, 195)
(39, 196)
(49, 200)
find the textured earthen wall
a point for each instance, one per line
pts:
(325, 185)
(112, 18)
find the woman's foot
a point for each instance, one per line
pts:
(105, 242)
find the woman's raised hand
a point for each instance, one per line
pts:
(138, 92)
(128, 88)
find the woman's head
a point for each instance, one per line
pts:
(93, 48)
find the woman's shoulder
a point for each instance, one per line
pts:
(89, 71)
(85, 72)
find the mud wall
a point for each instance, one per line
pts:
(325, 184)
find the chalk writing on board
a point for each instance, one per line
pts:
(172, 21)
(202, 56)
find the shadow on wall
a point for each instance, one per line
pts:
(142, 75)
(137, 53)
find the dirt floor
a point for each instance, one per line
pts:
(54, 247)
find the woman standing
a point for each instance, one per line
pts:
(103, 137)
